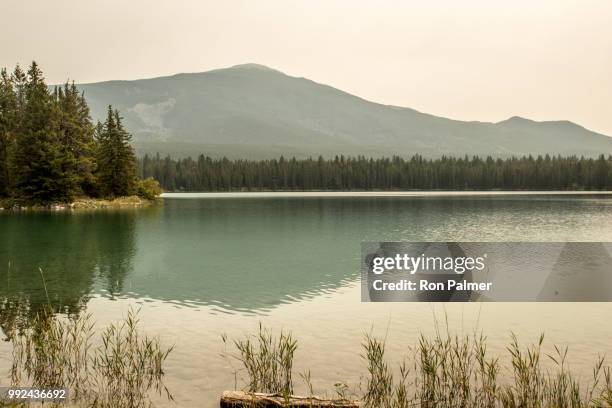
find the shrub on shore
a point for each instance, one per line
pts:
(149, 188)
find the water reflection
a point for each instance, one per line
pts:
(248, 255)
(60, 259)
(244, 256)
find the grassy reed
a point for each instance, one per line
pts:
(119, 370)
(456, 371)
(444, 371)
(268, 361)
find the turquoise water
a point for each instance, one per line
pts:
(203, 265)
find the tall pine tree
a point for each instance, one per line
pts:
(39, 172)
(8, 127)
(76, 140)
(117, 166)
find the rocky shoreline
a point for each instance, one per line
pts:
(83, 203)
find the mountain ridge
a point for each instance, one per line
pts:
(244, 110)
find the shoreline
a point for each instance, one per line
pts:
(82, 203)
(428, 193)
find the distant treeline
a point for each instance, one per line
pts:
(51, 151)
(360, 173)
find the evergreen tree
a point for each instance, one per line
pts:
(76, 139)
(8, 127)
(38, 161)
(20, 81)
(117, 166)
(602, 172)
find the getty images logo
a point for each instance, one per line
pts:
(427, 263)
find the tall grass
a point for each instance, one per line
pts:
(268, 361)
(119, 370)
(444, 371)
(455, 371)
(53, 353)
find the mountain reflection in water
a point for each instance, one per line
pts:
(248, 255)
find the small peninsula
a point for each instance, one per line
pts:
(52, 155)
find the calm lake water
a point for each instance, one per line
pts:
(203, 265)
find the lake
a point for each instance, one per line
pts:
(203, 265)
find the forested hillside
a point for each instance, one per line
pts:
(360, 173)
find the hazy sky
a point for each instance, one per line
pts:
(464, 59)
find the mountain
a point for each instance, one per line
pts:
(252, 111)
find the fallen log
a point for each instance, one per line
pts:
(239, 399)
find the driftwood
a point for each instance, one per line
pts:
(239, 399)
